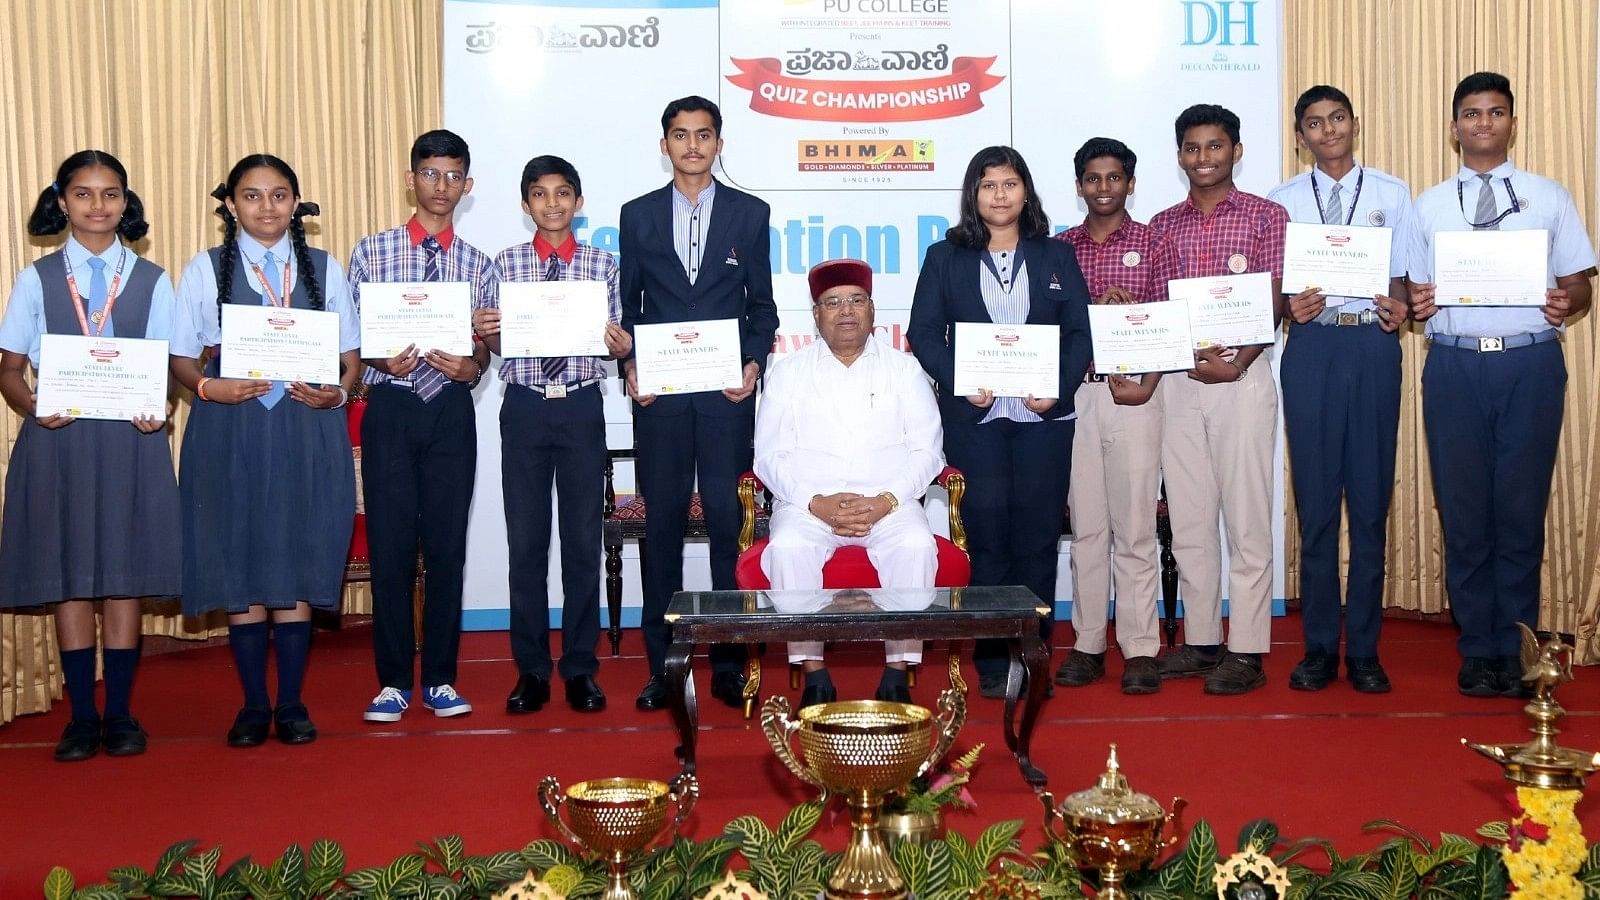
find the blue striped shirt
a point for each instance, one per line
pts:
(394, 255)
(690, 220)
(1007, 304)
(521, 262)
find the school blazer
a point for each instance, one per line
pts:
(949, 290)
(735, 282)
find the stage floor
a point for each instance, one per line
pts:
(1319, 764)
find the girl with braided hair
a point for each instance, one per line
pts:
(91, 514)
(267, 482)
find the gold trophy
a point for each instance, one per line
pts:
(1111, 828)
(863, 749)
(617, 818)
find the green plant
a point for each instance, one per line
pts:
(950, 869)
(933, 791)
(784, 863)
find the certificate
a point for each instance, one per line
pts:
(553, 318)
(1490, 268)
(1340, 260)
(1231, 310)
(1133, 338)
(432, 315)
(688, 357)
(102, 378)
(1008, 360)
(280, 344)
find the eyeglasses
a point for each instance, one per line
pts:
(855, 301)
(431, 175)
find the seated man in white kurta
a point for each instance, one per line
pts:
(847, 440)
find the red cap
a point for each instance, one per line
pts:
(835, 272)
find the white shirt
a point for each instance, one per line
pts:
(1383, 201)
(24, 320)
(1542, 203)
(823, 427)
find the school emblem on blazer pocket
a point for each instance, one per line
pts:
(733, 257)
(1055, 281)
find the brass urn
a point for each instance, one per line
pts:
(1111, 828)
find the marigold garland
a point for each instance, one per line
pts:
(1545, 845)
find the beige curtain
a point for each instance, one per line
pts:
(1399, 61)
(179, 90)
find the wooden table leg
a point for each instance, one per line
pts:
(1027, 654)
(680, 698)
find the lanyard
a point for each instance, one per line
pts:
(272, 295)
(1361, 176)
(1516, 205)
(103, 315)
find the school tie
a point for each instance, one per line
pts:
(1486, 205)
(97, 298)
(554, 368)
(427, 381)
(1334, 214)
(275, 281)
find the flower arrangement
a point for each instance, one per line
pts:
(933, 791)
(1544, 846)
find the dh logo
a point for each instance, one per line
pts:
(1220, 22)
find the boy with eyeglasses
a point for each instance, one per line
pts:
(419, 441)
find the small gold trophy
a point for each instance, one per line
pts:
(617, 818)
(863, 749)
(1111, 828)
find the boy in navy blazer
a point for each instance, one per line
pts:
(695, 249)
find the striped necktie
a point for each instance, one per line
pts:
(427, 381)
(1334, 214)
(554, 368)
(1486, 205)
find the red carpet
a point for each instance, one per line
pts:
(1319, 764)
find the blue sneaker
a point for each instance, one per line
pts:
(445, 702)
(388, 705)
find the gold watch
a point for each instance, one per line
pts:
(894, 504)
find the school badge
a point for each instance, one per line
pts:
(1131, 258)
(1237, 263)
(1376, 218)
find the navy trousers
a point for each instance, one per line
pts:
(1016, 499)
(1341, 412)
(1493, 422)
(675, 451)
(559, 442)
(418, 463)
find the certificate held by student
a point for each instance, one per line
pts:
(1342, 260)
(425, 315)
(688, 357)
(1008, 360)
(278, 344)
(102, 378)
(1228, 310)
(553, 318)
(1134, 338)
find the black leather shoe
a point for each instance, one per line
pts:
(530, 694)
(1140, 675)
(654, 695)
(819, 693)
(79, 741)
(250, 727)
(294, 724)
(1479, 677)
(584, 694)
(1511, 683)
(729, 688)
(1238, 673)
(1315, 672)
(1366, 674)
(123, 736)
(1080, 669)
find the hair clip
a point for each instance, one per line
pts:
(55, 187)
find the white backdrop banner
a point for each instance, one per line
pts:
(854, 119)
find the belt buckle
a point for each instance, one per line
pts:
(1491, 345)
(1348, 319)
(555, 391)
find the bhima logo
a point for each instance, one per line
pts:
(860, 156)
(1226, 23)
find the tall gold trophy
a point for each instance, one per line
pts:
(863, 749)
(617, 818)
(1112, 828)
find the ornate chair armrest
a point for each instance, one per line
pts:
(749, 484)
(955, 484)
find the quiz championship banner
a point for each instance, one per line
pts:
(854, 119)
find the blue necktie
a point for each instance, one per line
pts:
(426, 381)
(96, 300)
(275, 281)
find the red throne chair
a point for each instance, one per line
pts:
(849, 567)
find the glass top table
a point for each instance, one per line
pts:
(855, 614)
